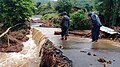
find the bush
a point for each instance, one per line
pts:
(79, 21)
(51, 18)
(63, 5)
(45, 9)
(15, 11)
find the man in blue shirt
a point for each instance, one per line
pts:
(96, 24)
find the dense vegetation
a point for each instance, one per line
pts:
(13, 12)
(13, 20)
(109, 15)
(63, 5)
(110, 11)
(52, 11)
(45, 9)
(21, 10)
(79, 20)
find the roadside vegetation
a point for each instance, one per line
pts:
(13, 23)
(14, 15)
(109, 15)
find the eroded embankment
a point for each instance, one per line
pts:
(38, 51)
(50, 55)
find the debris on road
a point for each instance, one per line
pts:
(83, 51)
(102, 60)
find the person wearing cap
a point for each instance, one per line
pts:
(96, 24)
(65, 23)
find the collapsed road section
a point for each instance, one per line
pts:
(38, 51)
(50, 55)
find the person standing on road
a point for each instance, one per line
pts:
(65, 23)
(96, 24)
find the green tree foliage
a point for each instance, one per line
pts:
(38, 4)
(45, 9)
(42, 1)
(63, 5)
(15, 11)
(88, 7)
(110, 9)
(82, 3)
(79, 20)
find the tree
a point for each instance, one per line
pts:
(63, 5)
(79, 20)
(15, 11)
(38, 4)
(109, 9)
(88, 7)
(45, 9)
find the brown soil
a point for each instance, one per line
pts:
(117, 29)
(53, 57)
(44, 23)
(47, 24)
(14, 41)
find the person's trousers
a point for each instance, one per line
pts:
(64, 31)
(95, 33)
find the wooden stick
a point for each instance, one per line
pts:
(5, 32)
(8, 30)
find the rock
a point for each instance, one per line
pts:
(89, 53)
(91, 64)
(83, 51)
(113, 60)
(102, 60)
(94, 55)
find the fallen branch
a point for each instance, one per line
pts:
(5, 32)
(8, 30)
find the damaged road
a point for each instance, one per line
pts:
(84, 53)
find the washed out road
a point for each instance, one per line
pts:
(82, 51)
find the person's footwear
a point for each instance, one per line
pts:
(62, 38)
(65, 38)
(94, 41)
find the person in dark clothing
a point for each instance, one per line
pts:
(96, 26)
(65, 23)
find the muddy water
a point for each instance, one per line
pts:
(77, 49)
(28, 57)
(106, 45)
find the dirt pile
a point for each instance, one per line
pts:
(13, 41)
(53, 57)
(47, 24)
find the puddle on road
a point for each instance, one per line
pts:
(79, 43)
(85, 43)
(106, 45)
